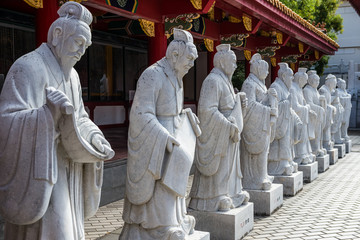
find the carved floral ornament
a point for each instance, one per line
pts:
(279, 37)
(211, 12)
(148, 27)
(183, 21)
(209, 44)
(235, 40)
(316, 54)
(35, 3)
(301, 47)
(273, 61)
(247, 54)
(268, 51)
(197, 4)
(247, 22)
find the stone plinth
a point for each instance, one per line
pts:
(348, 145)
(341, 150)
(333, 155)
(323, 163)
(291, 184)
(266, 202)
(232, 224)
(310, 171)
(198, 235)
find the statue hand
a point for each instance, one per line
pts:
(101, 144)
(274, 112)
(234, 130)
(171, 141)
(272, 92)
(313, 113)
(58, 103)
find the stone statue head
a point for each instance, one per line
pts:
(259, 67)
(301, 77)
(69, 36)
(181, 52)
(341, 83)
(313, 79)
(330, 81)
(285, 74)
(225, 59)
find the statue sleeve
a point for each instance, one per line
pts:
(147, 139)
(27, 156)
(213, 142)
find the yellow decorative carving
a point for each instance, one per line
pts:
(234, 19)
(197, 4)
(292, 66)
(273, 61)
(35, 3)
(247, 54)
(209, 44)
(279, 38)
(148, 27)
(301, 47)
(247, 22)
(211, 12)
(264, 33)
(316, 54)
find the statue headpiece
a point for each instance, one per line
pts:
(330, 76)
(75, 10)
(283, 65)
(182, 35)
(255, 58)
(223, 47)
(302, 70)
(311, 72)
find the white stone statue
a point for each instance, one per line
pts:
(317, 103)
(161, 146)
(325, 90)
(345, 100)
(51, 152)
(260, 116)
(287, 127)
(338, 118)
(217, 179)
(303, 151)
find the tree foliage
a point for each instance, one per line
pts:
(319, 12)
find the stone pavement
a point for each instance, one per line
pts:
(328, 208)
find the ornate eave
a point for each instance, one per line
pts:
(356, 5)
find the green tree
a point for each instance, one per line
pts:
(319, 11)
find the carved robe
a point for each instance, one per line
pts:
(312, 96)
(44, 194)
(345, 100)
(338, 118)
(330, 112)
(256, 135)
(218, 171)
(154, 116)
(287, 130)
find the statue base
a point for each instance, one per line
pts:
(228, 225)
(323, 163)
(198, 235)
(348, 145)
(266, 202)
(291, 184)
(310, 171)
(333, 153)
(341, 150)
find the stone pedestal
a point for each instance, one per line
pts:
(341, 150)
(310, 171)
(348, 145)
(291, 184)
(233, 224)
(266, 202)
(333, 154)
(198, 235)
(323, 163)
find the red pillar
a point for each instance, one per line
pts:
(44, 18)
(157, 45)
(210, 57)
